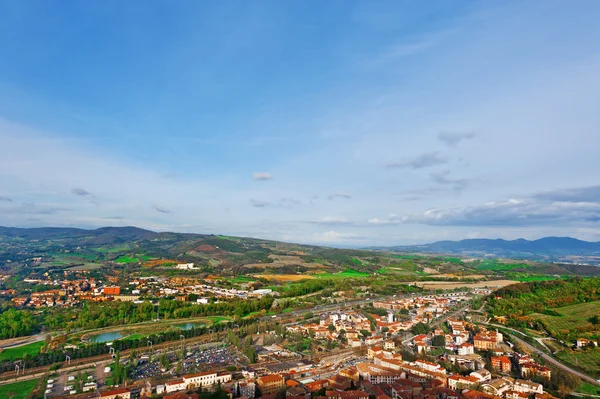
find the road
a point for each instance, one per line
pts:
(549, 358)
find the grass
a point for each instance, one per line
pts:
(20, 351)
(241, 279)
(495, 265)
(348, 273)
(218, 319)
(572, 316)
(126, 259)
(18, 390)
(456, 261)
(527, 277)
(132, 337)
(588, 360)
(586, 387)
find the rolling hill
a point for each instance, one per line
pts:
(565, 249)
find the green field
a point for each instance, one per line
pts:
(126, 259)
(132, 337)
(456, 261)
(572, 316)
(588, 360)
(348, 273)
(20, 351)
(86, 266)
(586, 387)
(241, 279)
(495, 265)
(218, 319)
(18, 390)
(527, 277)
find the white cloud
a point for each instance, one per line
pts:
(262, 176)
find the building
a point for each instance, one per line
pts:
(270, 384)
(483, 343)
(530, 369)
(458, 381)
(502, 364)
(121, 393)
(528, 387)
(207, 378)
(175, 385)
(111, 290)
(466, 349)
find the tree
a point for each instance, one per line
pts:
(331, 327)
(439, 341)
(420, 328)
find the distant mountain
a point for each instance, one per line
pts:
(544, 248)
(104, 235)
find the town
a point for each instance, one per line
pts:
(408, 347)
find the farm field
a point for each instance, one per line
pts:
(587, 360)
(495, 265)
(126, 259)
(572, 316)
(20, 351)
(348, 273)
(285, 277)
(18, 390)
(586, 387)
(450, 285)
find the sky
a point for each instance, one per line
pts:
(343, 123)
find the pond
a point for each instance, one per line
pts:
(106, 337)
(189, 325)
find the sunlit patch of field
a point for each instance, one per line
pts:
(285, 277)
(450, 285)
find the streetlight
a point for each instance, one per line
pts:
(150, 342)
(68, 359)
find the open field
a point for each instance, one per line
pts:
(285, 277)
(572, 316)
(586, 387)
(20, 351)
(86, 266)
(348, 273)
(159, 262)
(18, 390)
(286, 260)
(126, 259)
(496, 265)
(588, 360)
(450, 285)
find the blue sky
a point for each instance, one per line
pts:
(339, 123)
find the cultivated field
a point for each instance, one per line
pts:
(572, 316)
(285, 277)
(588, 360)
(286, 260)
(450, 285)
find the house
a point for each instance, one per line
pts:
(205, 379)
(501, 363)
(528, 387)
(498, 386)
(175, 385)
(582, 342)
(270, 384)
(346, 395)
(458, 381)
(121, 393)
(466, 349)
(482, 375)
(516, 395)
(481, 342)
(530, 369)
